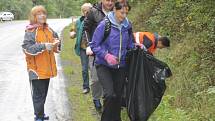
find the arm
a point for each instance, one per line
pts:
(30, 47)
(57, 46)
(97, 41)
(88, 23)
(131, 39)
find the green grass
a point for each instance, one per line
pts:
(82, 105)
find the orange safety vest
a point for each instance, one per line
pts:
(43, 64)
(139, 38)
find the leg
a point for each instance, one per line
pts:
(96, 87)
(40, 89)
(106, 78)
(119, 77)
(84, 64)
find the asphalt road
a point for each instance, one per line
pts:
(15, 93)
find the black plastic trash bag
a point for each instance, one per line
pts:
(146, 84)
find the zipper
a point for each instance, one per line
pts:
(49, 52)
(120, 47)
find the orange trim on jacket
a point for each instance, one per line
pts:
(139, 38)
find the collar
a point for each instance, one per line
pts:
(124, 23)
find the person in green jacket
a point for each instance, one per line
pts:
(81, 44)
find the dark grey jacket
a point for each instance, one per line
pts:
(91, 21)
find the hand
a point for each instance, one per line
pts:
(141, 46)
(49, 46)
(89, 51)
(111, 59)
(56, 41)
(72, 34)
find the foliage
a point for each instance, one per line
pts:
(19, 8)
(55, 8)
(190, 24)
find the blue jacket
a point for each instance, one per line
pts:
(117, 43)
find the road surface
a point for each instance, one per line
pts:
(15, 95)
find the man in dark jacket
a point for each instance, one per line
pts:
(95, 15)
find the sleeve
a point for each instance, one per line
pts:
(57, 48)
(96, 44)
(131, 39)
(88, 23)
(30, 46)
(156, 35)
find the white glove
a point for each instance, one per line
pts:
(49, 46)
(89, 51)
(56, 41)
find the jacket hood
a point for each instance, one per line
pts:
(98, 6)
(111, 17)
(33, 26)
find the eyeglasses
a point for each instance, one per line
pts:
(119, 5)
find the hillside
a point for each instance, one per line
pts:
(190, 24)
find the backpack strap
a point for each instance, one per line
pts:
(107, 29)
(130, 33)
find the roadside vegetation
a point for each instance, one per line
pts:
(55, 8)
(190, 24)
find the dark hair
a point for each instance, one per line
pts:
(165, 41)
(118, 5)
(127, 5)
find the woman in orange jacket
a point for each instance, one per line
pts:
(39, 45)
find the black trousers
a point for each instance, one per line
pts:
(39, 93)
(112, 81)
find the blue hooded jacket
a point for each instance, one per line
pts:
(117, 43)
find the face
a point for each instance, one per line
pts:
(160, 45)
(108, 4)
(120, 14)
(85, 11)
(41, 17)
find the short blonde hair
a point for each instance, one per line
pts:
(34, 11)
(86, 7)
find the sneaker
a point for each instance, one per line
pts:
(45, 117)
(38, 119)
(98, 105)
(86, 90)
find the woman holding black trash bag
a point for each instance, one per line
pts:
(110, 59)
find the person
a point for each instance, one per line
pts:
(95, 15)
(110, 60)
(80, 46)
(39, 45)
(151, 41)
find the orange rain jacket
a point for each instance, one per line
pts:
(149, 40)
(41, 63)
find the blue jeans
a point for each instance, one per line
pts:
(84, 64)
